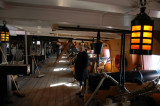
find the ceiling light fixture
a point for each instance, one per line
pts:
(142, 27)
(82, 43)
(75, 43)
(97, 47)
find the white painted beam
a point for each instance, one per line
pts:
(77, 4)
(66, 16)
(75, 17)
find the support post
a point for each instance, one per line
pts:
(45, 50)
(98, 40)
(26, 52)
(123, 71)
(28, 58)
(122, 62)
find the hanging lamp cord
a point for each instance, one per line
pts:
(4, 22)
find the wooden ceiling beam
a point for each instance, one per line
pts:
(78, 28)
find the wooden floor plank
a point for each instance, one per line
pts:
(17, 100)
(40, 93)
(26, 90)
(52, 93)
(32, 94)
(66, 94)
(59, 92)
(45, 96)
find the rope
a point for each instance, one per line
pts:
(150, 88)
(36, 65)
(99, 85)
(20, 93)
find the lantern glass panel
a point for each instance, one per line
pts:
(149, 41)
(2, 35)
(134, 46)
(7, 34)
(136, 34)
(147, 34)
(146, 47)
(136, 28)
(135, 40)
(147, 28)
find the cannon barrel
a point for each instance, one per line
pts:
(130, 76)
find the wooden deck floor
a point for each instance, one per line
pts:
(55, 89)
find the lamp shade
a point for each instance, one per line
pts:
(4, 34)
(97, 47)
(82, 43)
(142, 27)
(91, 46)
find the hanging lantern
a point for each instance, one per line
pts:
(141, 34)
(92, 44)
(75, 43)
(82, 43)
(98, 46)
(4, 33)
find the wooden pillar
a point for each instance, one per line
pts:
(29, 42)
(42, 48)
(45, 49)
(25, 50)
(28, 58)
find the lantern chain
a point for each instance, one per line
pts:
(143, 3)
(4, 22)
